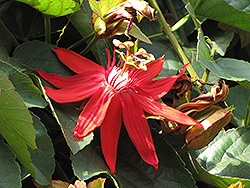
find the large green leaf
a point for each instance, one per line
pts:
(221, 11)
(236, 16)
(238, 97)
(14, 116)
(131, 170)
(42, 158)
(22, 83)
(228, 155)
(39, 55)
(227, 68)
(16, 122)
(53, 7)
(9, 168)
(202, 175)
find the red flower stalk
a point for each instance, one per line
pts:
(116, 94)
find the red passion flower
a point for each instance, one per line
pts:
(115, 94)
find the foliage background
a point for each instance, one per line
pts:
(36, 132)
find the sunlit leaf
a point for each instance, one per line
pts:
(9, 168)
(228, 155)
(213, 10)
(227, 68)
(202, 175)
(102, 7)
(14, 116)
(16, 123)
(53, 7)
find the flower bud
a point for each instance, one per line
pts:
(119, 19)
(197, 137)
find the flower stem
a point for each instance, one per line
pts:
(156, 35)
(47, 27)
(173, 40)
(78, 43)
(246, 121)
(93, 41)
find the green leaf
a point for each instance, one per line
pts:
(16, 123)
(22, 83)
(227, 68)
(14, 116)
(67, 115)
(200, 174)
(228, 155)
(203, 52)
(244, 35)
(89, 162)
(54, 8)
(137, 33)
(239, 4)
(223, 12)
(231, 69)
(9, 168)
(42, 158)
(96, 7)
(39, 55)
(238, 97)
(102, 7)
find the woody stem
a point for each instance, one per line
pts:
(173, 40)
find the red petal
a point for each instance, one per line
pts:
(81, 79)
(110, 130)
(73, 93)
(76, 62)
(137, 128)
(94, 112)
(160, 109)
(159, 88)
(153, 68)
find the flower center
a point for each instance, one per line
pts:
(118, 79)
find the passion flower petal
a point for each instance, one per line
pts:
(72, 93)
(137, 128)
(94, 112)
(110, 131)
(158, 88)
(81, 79)
(76, 62)
(160, 109)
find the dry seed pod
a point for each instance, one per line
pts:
(198, 138)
